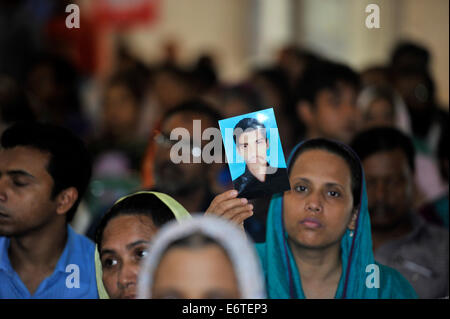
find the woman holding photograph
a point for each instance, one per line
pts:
(318, 239)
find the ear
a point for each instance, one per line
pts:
(65, 200)
(352, 224)
(305, 112)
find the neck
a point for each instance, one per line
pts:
(40, 248)
(319, 265)
(381, 236)
(258, 170)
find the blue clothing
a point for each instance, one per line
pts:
(73, 277)
(361, 275)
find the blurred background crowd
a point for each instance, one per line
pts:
(135, 70)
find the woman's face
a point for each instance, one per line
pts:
(125, 242)
(318, 208)
(195, 273)
(120, 110)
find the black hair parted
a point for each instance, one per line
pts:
(321, 76)
(70, 164)
(383, 139)
(245, 125)
(140, 204)
(341, 150)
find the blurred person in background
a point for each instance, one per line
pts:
(326, 101)
(120, 113)
(376, 75)
(20, 38)
(117, 148)
(294, 61)
(437, 210)
(52, 90)
(273, 86)
(14, 106)
(192, 184)
(427, 123)
(401, 238)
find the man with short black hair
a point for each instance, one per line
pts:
(326, 101)
(44, 172)
(401, 238)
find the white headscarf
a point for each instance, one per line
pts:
(239, 249)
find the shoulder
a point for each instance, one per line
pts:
(435, 235)
(81, 247)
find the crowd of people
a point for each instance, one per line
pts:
(88, 188)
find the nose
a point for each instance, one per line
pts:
(380, 191)
(127, 276)
(314, 204)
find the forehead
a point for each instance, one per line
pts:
(186, 120)
(251, 135)
(181, 266)
(322, 166)
(341, 88)
(386, 162)
(24, 158)
(122, 230)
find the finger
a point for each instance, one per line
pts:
(239, 218)
(231, 204)
(237, 210)
(224, 196)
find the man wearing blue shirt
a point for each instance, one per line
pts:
(44, 172)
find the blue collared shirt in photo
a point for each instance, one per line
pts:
(72, 278)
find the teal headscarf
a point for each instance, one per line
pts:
(359, 268)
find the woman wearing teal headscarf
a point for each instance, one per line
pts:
(123, 238)
(318, 238)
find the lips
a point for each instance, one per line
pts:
(311, 222)
(3, 215)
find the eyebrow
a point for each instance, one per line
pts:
(107, 251)
(20, 173)
(136, 243)
(328, 184)
(128, 247)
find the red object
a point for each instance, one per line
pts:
(125, 13)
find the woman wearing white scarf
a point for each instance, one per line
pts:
(232, 240)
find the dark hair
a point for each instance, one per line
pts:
(69, 164)
(410, 54)
(381, 139)
(195, 106)
(321, 76)
(14, 105)
(340, 150)
(246, 125)
(143, 204)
